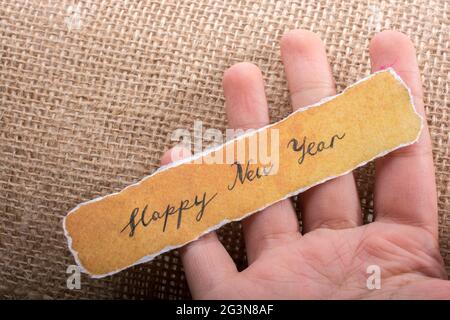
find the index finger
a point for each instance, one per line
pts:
(405, 189)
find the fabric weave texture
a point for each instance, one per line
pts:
(91, 91)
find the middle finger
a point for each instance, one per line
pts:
(335, 203)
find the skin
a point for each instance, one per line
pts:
(329, 260)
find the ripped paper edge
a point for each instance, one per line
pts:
(150, 257)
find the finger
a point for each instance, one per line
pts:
(405, 190)
(246, 108)
(333, 204)
(206, 262)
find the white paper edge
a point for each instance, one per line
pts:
(200, 154)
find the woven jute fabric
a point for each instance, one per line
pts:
(91, 91)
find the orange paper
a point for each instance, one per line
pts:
(182, 201)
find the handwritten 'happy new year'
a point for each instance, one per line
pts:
(243, 174)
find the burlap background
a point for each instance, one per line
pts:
(90, 92)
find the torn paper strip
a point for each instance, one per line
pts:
(186, 199)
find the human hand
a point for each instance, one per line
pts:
(330, 259)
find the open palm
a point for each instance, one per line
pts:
(332, 256)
